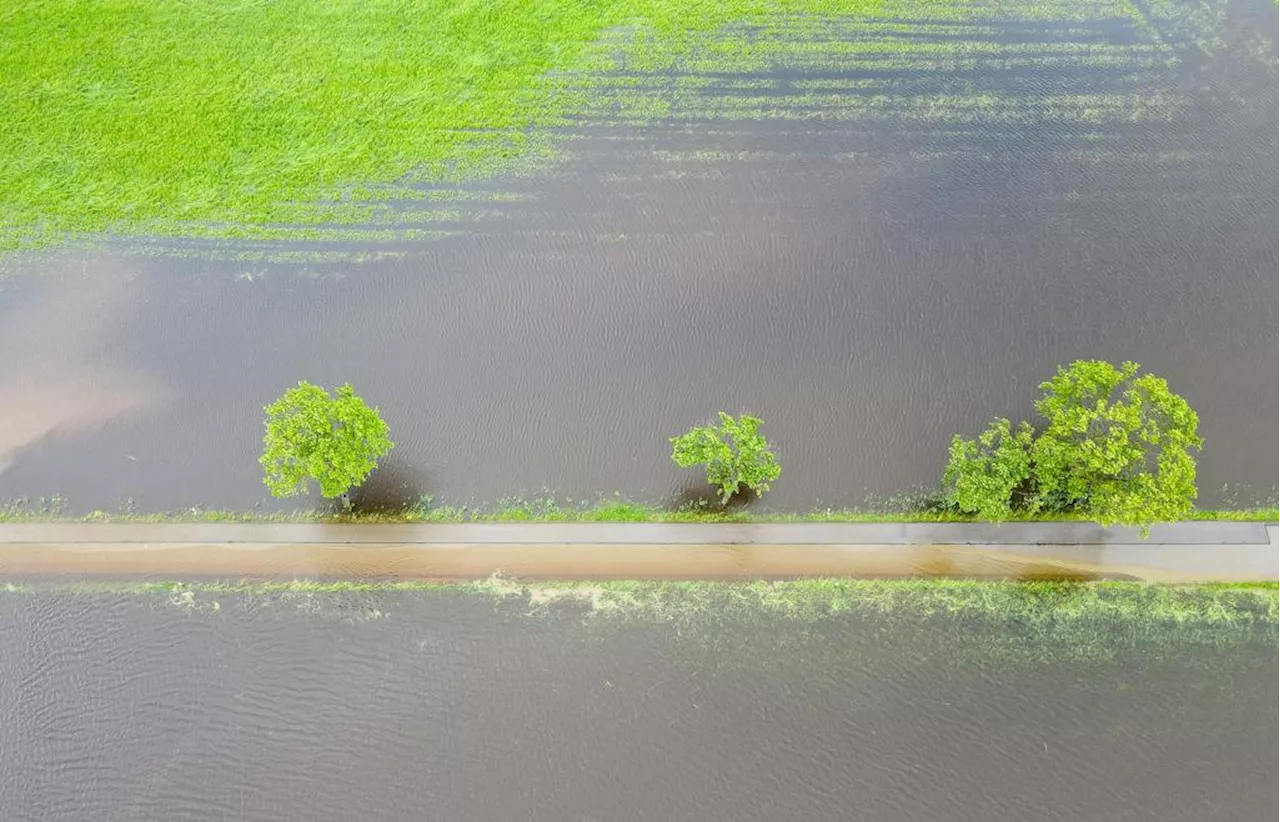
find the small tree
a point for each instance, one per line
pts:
(335, 441)
(734, 453)
(1116, 446)
(989, 476)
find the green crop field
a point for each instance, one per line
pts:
(267, 119)
(144, 116)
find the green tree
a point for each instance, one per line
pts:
(734, 453)
(334, 440)
(1116, 446)
(989, 476)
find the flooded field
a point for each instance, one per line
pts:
(699, 703)
(871, 231)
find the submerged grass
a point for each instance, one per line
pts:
(1192, 635)
(812, 623)
(808, 600)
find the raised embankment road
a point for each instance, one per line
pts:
(1175, 552)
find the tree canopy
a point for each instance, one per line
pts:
(985, 476)
(1115, 446)
(734, 453)
(334, 440)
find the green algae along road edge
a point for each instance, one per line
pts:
(1183, 552)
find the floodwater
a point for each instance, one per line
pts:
(408, 705)
(870, 251)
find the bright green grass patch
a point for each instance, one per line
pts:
(147, 115)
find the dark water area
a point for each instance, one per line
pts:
(871, 251)
(407, 706)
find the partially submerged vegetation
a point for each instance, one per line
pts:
(808, 600)
(980, 622)
(284, 120)
(170, 117)
(1115, 451)
(544, 508)
(1108, 455)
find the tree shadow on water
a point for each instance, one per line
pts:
(393, 487)
(702, 498)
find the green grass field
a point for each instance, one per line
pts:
(146, 115)
(257, 118)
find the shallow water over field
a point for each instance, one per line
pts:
(873, 234)
(412, 705)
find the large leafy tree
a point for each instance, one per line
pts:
(1116, 446)
(334, 440)
(734, 453)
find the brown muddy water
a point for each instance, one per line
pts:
(410, 705)
(871, 252)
